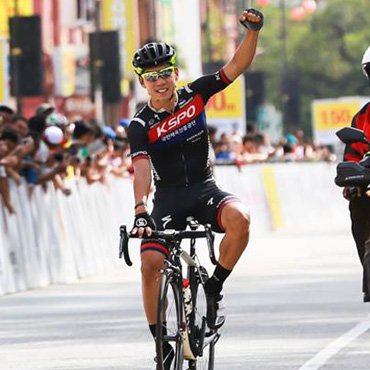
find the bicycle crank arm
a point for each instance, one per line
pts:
(213, 338)
(207, 338)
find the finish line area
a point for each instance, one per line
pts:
(294, 302)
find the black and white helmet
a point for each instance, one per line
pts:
(366, 63)
(153, 54)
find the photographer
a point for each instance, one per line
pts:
(359, 202)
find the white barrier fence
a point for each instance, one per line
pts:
(288, 196)
(59, 239)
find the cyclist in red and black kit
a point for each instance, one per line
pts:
(169, 138)
(359, 202)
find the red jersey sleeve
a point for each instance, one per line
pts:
(361, 120)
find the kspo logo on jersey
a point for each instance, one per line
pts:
(177, 120)
(166, 127)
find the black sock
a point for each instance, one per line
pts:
(215, 282)
(166, 346)
(152, 329)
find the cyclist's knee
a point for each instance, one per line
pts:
(151, 263)
(236, 219)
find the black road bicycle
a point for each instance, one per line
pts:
(183, 321)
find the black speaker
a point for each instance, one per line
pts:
(105, 64)
(254, 94)
(26, 67)
(291, 100)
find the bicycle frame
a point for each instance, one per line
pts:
(201, 338)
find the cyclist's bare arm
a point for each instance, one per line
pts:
(246, 51)
(142, 183)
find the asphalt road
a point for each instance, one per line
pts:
(294, 303)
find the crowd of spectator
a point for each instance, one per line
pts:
(255, 147)
(48, 148)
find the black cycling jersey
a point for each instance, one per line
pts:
(177, 143)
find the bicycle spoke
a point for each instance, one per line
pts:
(203, 337)
(169, 313)
(171, 317)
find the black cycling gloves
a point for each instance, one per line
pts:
(144, 220)
(253, 26)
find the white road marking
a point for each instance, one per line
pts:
(331, 349)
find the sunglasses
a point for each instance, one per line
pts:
(153, 76)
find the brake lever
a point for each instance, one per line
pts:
(123, 245)
(210, 236)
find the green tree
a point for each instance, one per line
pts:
(325, 50)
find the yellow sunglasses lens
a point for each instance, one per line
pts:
(153, 76)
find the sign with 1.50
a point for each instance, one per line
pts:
(330, 115)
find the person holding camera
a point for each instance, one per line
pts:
(359, 201)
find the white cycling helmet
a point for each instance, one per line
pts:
(366, 63)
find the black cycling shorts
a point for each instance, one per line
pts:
(172, 205)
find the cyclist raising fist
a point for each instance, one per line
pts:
(169, 138)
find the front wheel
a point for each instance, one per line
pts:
(366, 273)
(203, 339)
(170, 322)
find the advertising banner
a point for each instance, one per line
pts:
(4, 90)
(165, 21)
(7, 9)
(64, 70)
(121, 15)
(330, 115)
(226, 109)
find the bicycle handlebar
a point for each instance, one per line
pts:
(169, 236)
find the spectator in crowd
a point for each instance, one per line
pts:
(255, 147)
(20, 124)
(84, 133)
(8, 140)
(48, 149)
(57, 119)
(6, 114)
(289, 152)
(236, 145)
(11, 138)
(44, 110)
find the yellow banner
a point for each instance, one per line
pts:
(272, 194)
(120, 15)
(7, 9)
(3, 82)
(68, 71)
(227, 103)
(166, 24)
(334, 115)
